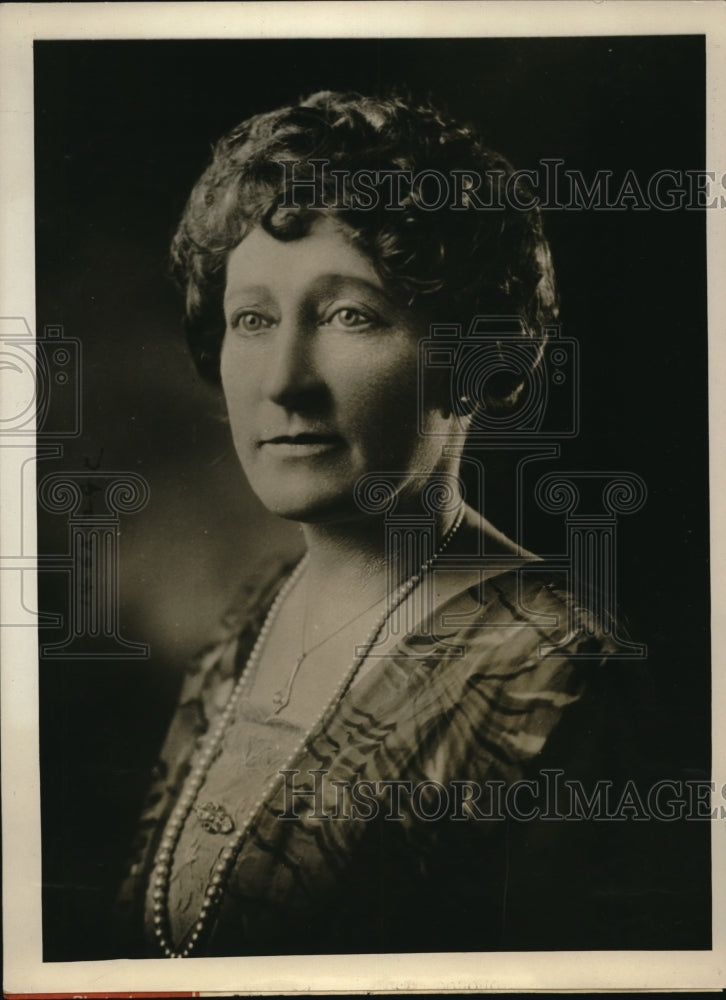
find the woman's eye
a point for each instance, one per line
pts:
(249, 321)
(350, 318)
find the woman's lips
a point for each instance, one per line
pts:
(301, 445)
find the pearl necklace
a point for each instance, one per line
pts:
(172, 832)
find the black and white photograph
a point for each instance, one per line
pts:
(358, 505)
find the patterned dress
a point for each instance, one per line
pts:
(428, 812)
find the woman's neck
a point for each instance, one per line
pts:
(355, 559)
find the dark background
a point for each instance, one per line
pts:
(123, 129)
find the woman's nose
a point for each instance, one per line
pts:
(291, 378)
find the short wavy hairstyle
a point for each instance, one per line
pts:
(450, 262)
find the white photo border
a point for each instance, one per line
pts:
(25, 971)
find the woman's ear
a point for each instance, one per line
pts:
(438, 391)
(463, 406)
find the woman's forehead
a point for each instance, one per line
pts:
(327, 249)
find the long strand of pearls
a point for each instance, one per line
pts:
(163, 861)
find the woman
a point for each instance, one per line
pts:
(414, 654)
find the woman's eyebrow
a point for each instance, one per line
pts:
(323, 284)
(253, 291)
(336, 282)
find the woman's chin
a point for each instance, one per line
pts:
(309, 509)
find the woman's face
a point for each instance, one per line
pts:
(320, 374)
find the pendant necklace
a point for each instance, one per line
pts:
(281, 698)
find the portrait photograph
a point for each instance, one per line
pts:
(360, 590)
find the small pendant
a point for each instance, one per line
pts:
(279, 701)
(214, 818)
(281, 698)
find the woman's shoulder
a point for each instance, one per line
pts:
(540, 598)
(518, 674)
(499, 620)
(510, 656)
(522, 601)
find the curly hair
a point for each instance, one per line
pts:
(484, 255)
